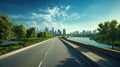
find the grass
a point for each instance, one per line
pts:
(117, 49)
(25, 42)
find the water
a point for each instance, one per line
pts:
(86, 40)
(10, 42)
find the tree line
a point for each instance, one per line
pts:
(108, 32)
(9, 30)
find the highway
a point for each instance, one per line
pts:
(102, 59)
(53, 53)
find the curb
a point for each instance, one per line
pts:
(111, 53)
(88, 60)
(20, 50)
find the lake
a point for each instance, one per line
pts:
(86, 40)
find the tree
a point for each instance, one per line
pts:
(108, 31)
(113, 31)
(40, 34)
(20, 31)
(118, 33)
(31, 32)
(44, 34)
(5, 28)
(104, 30)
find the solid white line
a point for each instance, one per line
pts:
(40, 64)
(46, 53)
(22, 49)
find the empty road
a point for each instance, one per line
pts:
(53, 53)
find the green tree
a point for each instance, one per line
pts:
(103, 31)
(20, 31)
(113, 31)
(118, 33)
(5, 28)
(31, 32)
(40, 34)
(108, 31)
(44, 34)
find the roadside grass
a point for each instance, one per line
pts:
(25, 42)
(117, 49)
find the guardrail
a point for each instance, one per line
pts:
(112, 53)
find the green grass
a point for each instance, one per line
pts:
(117, 49)
(24, 43)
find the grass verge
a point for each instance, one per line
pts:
(25, 42)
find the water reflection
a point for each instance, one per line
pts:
(86, 40)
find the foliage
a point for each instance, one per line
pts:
(108, 32)
(20, 31)
(14, 32)
(26, 42)
(31, 32)
(5, 28)
(44, 34)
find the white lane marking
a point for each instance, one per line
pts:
(40, 64)
(46, 53)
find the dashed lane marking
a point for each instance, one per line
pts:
(40, 64)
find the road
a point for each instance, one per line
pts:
(53, 53)
(102, 59)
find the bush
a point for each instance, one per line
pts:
(24, 43)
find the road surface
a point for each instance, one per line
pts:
(100, 58)
(53, 53)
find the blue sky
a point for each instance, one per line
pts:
(69, 14)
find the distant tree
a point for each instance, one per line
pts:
(40, 34)
(44, 34)
(31, 32)
(5, 28)
(19, 31)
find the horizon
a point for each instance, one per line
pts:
(71, 15)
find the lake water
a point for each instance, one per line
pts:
(10, 42)
(86, 40)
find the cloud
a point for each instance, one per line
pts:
(75, 16)
(16, 16)
(68, 7)
(49, 17)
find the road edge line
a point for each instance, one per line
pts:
(22, 49)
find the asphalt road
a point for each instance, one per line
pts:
(53, 53)
(102, 59)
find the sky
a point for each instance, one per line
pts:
(73, 15)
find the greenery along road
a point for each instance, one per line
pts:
(108, 32)
(51, 53)
(13, 32)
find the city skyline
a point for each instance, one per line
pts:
(61, 14)
(54, 31)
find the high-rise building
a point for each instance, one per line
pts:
(59, 32)
(53, 30)
(64, 31)
(46, 29)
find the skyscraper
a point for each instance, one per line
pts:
(64, 31)
(46, 29)
(53, 30)
(59, 32)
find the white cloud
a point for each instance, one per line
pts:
(34, 14)
(52, 17)
(17, 16)
(53, 11)
(76, 16)
(68, 7)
